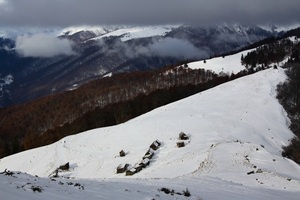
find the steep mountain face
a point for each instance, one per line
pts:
(108, 50)
(222, 38)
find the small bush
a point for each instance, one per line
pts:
(165, 190)
(37, 189)
(292, 151)
(186, 193)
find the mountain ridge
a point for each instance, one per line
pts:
(132, 51)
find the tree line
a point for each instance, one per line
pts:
(104, 102)
(21, 125)
(267, 54)
(288, 93)
(289, 97)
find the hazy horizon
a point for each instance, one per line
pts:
(64, 13)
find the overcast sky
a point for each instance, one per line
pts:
(145, 12)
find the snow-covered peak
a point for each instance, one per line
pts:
(288, 27)
(125, 32)
(128, 33)
(239, 28)
(279, 28)
(97, 30)
(14, 32)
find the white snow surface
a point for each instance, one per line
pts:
(227, 64)
(126, 32)
(129, 33)
(234, 128)
(231, 63)
(98, 30)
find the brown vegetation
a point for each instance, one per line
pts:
(289, 97)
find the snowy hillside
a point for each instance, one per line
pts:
(235, 132)
(97, 30)
(228, 64)
(129, 33)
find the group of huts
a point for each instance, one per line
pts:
(61, 168)
(125, 168)
(182, 137)
(145, 161)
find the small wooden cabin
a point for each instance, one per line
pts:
(183, 136)
(122, 168)
(131, 172)
(155, 145)
(139, 167)
(122, 153)
(145, 162)
(180, 144)
(148, 155)
(64, 167)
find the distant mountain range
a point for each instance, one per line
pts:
(102, 51)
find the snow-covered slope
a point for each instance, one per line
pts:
(124, 32)
(21, 186)
(234, 129)
(227, 65)
(129, 33)
(98, 30)
(14, 32)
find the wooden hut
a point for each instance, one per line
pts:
(180, 144)
(155, 145)
(145, 162)
(158, 142)
(183, 136)
(131, 172)
(64, 167)
(138, 167)
(122, 168)
(149, 154)
(122, 153)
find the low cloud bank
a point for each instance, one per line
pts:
(165, 47)
(42, 45)
(176, 48)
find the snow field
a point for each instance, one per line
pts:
(235, 128)
(244, 110)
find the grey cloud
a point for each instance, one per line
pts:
(100, 12)
(41, 45)
(117, 47)
(2, 2)
(164, 47)
(177, 48)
